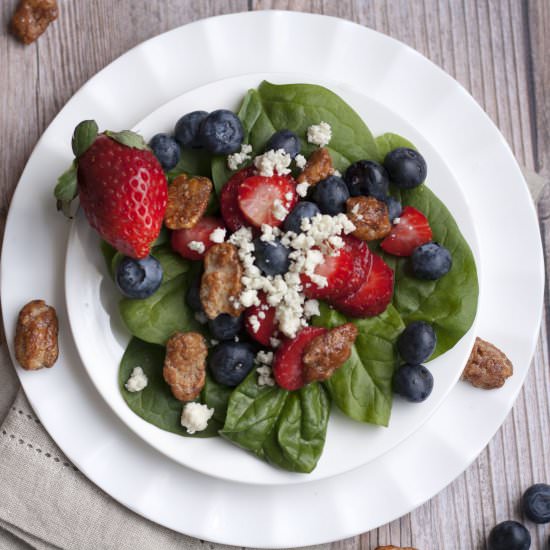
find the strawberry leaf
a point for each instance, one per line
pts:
(128, 138)
(66, 188)
(83, 137)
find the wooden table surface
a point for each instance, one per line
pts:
(498, 49)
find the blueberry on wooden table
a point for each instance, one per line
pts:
(187, 128)
(366, 177)
(221, 132)
(417, 342)
(509, 535)
(272, 257)
(230, 362)
(304, 209)
(166, 149)
(536, 503)
(406, 167)
(138, 278)
(284, 139)
(331, 195)
(413, 382)
(431, 261)
(225, 326)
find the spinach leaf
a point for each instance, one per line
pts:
(362, 387)
(195, 162)
(155, 403)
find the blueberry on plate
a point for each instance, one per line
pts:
(271, 256)
(138, 278)
(221, 132)
(331, 195)
(230, 362)
(366, 177)
(394, 207)
(304, 209)
(187, 127)
(417, 342)
(166, 149)
(284, 139)
(406, 167)
(536, 503)
(509, 535)
(225, 326)
(413, 382)
(192, 296)
(430, 261)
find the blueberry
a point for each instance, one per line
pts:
(417, 342)
(430, 261)
(192, 297)
(225, 326)
(331, 195)
(536, 503)
(138, 278)
(366, 177)
(187, 127)
(230, 362)
(303, 209)
(271, 256)
(413, 382)
(394, 207)
(509, 535)
(284, 139)
(221, 132)
(406, 167)
(166, 149)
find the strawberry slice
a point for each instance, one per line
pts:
(287, 364)
(229, 206)
(344, 272)
(267, 199)
(260, 323)
(187, 242)
(374, 295)
(412, 230)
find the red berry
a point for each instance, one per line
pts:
(264, 316)
(200, 233)
(123, 193)
(374, 295)
(258, 196)
(229, 206)
(412, 230)
(287, 363)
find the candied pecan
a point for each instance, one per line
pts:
(36, 336)
(328, 352)
(187, 201)
(370, 217)
(185, 365)
(488, 367)
(317, 168)
(221, 281)
(32, 17)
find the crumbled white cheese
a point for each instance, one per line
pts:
(337, 173)
(196, 246)
(274, 342)
(273, 161)
(279, 210)
(137, 381)
(236, 159)
(300, 161)
(254, 323)
(302, 188)
(269, 233)
(265, 376)
(311, 308)
(218, 235)
(261, 314)
(214, 342)
(289, 196)
(396, 220)
(201, 317)
(319, 134)
(265, 357)
(195, 417)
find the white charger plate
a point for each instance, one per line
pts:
(509, 312)
(92, 303)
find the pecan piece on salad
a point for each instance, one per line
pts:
(221, 283)
(370, 217)
(318, 167)
(32, 18)
(187, 201)
(328, 352)
(36, 336)
(185, 365)
(488, 367)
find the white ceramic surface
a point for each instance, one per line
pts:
(93, 313)
(442, 112)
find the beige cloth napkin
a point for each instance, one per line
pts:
(46, 503)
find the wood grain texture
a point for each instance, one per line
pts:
(498, 49)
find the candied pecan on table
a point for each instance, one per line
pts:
(187, 201)
(328, 352)
(221, 281)
(32, 17)
(318, 167)
(488, 367)
(370, 217)
(36, 336)
(185, 365)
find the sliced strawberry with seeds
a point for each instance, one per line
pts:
(287, 363)
(187, 242)
(374, 295)
(260, 323)
(229, 206)
(412, 230)
(267, 200)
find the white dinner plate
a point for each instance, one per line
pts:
(443, 113)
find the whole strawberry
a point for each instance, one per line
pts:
(121, 186)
